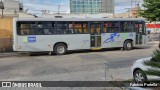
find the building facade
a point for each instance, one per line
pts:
(13, 5)
(11, 10)
(133, 13)
(91, 6)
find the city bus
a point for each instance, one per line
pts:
(60, 35)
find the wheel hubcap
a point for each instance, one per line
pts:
(60, 49)
(139, 77)
(129, 45)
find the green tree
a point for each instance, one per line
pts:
(151, 10)
(154, 63)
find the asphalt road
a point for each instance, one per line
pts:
(75, 66)
(81, 66)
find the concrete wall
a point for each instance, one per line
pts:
(12, 5)
(6, 28)
(6, 33)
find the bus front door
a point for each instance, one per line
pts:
(95, 31)
(139, 27)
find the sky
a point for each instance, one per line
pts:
(35, 6)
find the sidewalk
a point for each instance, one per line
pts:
(8, 54)
(153, 43)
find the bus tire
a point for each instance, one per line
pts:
(128, 45)
(60, 49)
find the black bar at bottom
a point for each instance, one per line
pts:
(74, 84)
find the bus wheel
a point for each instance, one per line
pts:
(60, 49)
(128, 45)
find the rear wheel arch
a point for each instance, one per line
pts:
(59, 43)
(128, 40)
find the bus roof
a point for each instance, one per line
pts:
(79, 19)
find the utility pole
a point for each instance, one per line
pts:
(138, 7)
(2, 8)
(131, 7)
(59, 9)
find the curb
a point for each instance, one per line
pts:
(153, 42)
(10, 54)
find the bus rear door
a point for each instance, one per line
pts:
(95, 37)
(140, 32)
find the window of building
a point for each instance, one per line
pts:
(74, 2)
(78, 2)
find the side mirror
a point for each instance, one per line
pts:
(148, 31)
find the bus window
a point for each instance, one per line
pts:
(98, 30)
(111, 27)
(53, 29)
(70, 30)
(80, 28)
(26, 28)
(139, 27)
(62, 27)
(126, 26)
(93, 29)
(44, 28)
(85, 28)
(105, 27)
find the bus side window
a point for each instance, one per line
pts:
(47, 32)
(25, 28)
(139, 27)
(62, 27)
(105, 27)
(85, 28)
(80, 28)
(111, 27)
(126, 26)
(77, 27)
(122, 26)
(70, 30)
(53, 28)
(44, 28)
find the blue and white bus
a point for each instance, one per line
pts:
(60, 35)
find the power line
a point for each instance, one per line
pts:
(55, 5)
(45, 4)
